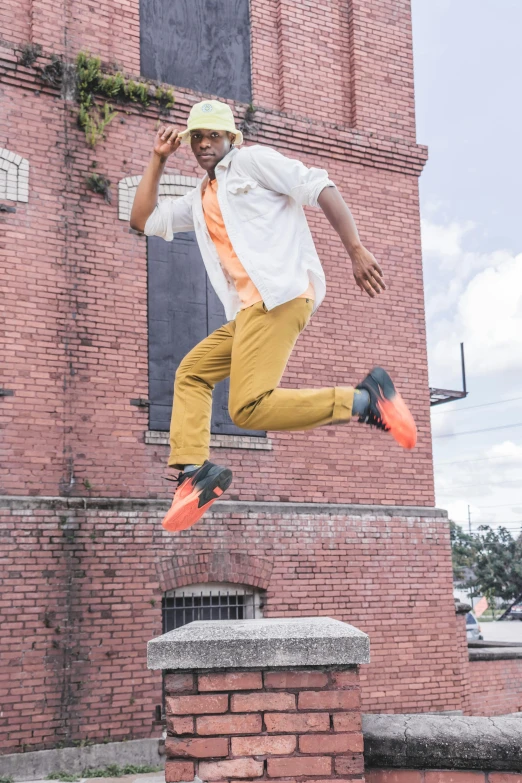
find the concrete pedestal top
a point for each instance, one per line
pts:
(286, 641)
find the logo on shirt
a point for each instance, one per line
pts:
(207, 107)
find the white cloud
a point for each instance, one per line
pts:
(471, 297)
(480, 478)
(444, 240)
(488, 319)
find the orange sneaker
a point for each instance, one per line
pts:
(387, 409)
(195, 494)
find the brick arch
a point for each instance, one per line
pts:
(219, 566)
(173, 185)
(14, 176)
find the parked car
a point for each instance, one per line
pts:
(473, 629)
(515, 613)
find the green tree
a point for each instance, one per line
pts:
(463, 554)
(498, 563)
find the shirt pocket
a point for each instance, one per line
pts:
(247, 199)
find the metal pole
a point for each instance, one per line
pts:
(463, 364)
(469, 519)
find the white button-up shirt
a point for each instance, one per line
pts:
(261, 194)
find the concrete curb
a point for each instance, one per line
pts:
(38, 764)
(428, 741)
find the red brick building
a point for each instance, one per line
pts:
(338, 521)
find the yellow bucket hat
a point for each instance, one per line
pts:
(211, 115)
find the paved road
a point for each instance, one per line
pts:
(502, 631)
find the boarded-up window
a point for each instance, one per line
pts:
(183, 310)
(201, 45)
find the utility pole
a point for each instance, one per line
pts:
(469, 519)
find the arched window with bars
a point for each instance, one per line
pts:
(210, 601)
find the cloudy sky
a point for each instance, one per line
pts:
(468, 77)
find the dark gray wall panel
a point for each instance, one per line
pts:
(183, 309)
(202, 45)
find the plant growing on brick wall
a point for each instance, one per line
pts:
(52, 73)
(98, 184)
(247, 124)
(92, 82)
(30, 53)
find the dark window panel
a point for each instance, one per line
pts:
(183, 309)
(201, 45)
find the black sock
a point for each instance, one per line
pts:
(361, 402)
(190, 468)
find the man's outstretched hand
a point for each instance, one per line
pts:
(167, 141)
(367, 272)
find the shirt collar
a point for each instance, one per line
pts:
(225, 162)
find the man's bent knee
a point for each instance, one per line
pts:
(239, 416)
(246, 414)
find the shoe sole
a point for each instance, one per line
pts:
(394, 411)
(191, 502)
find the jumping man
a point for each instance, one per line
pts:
(258, 251)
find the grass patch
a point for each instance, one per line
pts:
(111, 771)
(115, 771)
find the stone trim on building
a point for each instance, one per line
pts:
(156, 438)
(155, 505)
(171, 185)
(14, 176)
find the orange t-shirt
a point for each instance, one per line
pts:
(232, 266)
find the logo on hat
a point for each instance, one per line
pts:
(207, 107)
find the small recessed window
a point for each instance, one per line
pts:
(211, 601)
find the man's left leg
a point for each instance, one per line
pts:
(262, 346)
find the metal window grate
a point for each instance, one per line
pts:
(218, 603)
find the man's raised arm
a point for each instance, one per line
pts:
(166, 142)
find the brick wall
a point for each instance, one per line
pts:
(264, 724)
(74, 286)
(495, 687)
(76, 298)
(82, 590)
(77, 328)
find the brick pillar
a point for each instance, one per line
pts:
(263, 700)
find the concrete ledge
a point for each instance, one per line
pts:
(220, 644)
(38, 764)
(504, 653)
(430, 741)
(221, 506)
(476, 645)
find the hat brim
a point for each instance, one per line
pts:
(185, 135)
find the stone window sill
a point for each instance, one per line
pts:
(155, 438)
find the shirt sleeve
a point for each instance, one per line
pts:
(286, 175)
(170, 216)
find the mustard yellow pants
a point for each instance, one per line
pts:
(253, 350)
